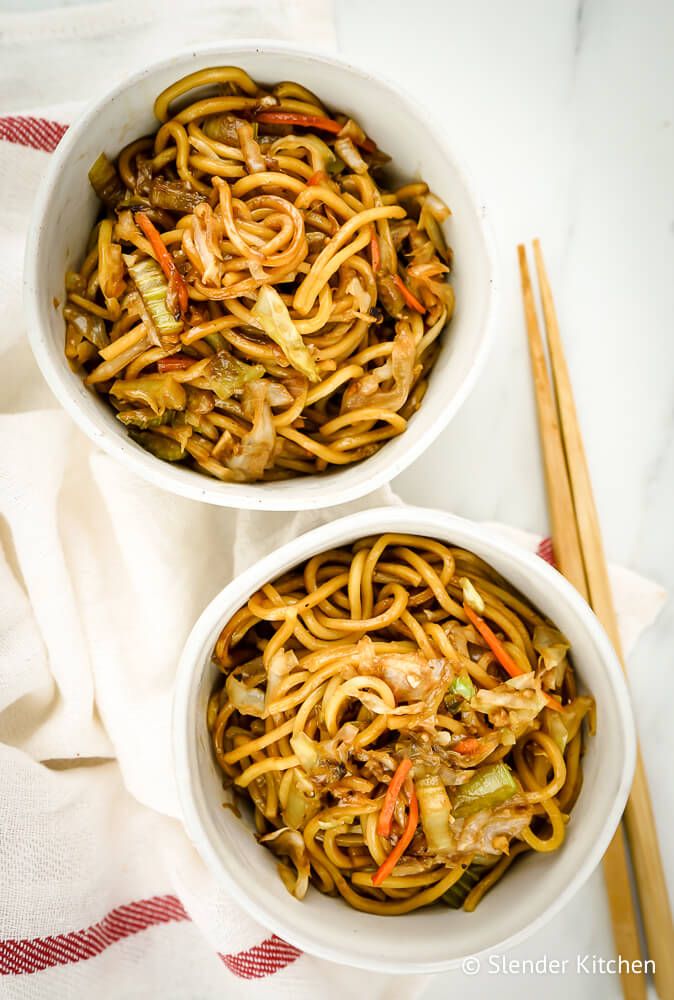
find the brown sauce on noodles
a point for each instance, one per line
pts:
(255, 302)
(402, 723)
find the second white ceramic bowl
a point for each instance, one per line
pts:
(437, 938)
(66, 208)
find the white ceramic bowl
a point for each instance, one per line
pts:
(436, 938)
(66, 208)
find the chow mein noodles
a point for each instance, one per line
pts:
(254, 303)
(402, 723)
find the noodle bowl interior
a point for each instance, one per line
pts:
(257, 301)
(402, 723)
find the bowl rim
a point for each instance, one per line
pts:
(360, 524)
(245, 495)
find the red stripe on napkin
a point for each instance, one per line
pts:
(263, 959)
(35, 954)
(546, 551)
(38, 133)
(28, 955)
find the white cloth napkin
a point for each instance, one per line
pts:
(101, 578)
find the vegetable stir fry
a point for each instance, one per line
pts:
(255, 302)
(402, 723)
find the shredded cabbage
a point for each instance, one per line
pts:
(249, 147)
(360, 295)
(248, 701)
(307, 750)
(110, 263)
(552, 648)
(563, 726)
(257, 446)
(490, 831)
(346, 149)
(159, 392)
(106, 182)
(277, 394)
(290, 844)
(272, 314)
(160, 447)
(435, 812)
(489, 787)
(300, 806)
(389, 295)
(425, 275)
(366, 390)
(433, 212)
(202, 241)
(142, 417)
(515, 703)
(222, 128)
(471, 596)
(352, 130)
(88, 326)
(225, 375)
(462, 686)
(281, 664)
(175, 196)
(153, 288)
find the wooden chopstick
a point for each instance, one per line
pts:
(639, 819)
(568, 555)
(560, 500)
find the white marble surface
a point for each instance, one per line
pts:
(563, 114)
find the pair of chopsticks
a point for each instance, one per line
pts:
(579, 554)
